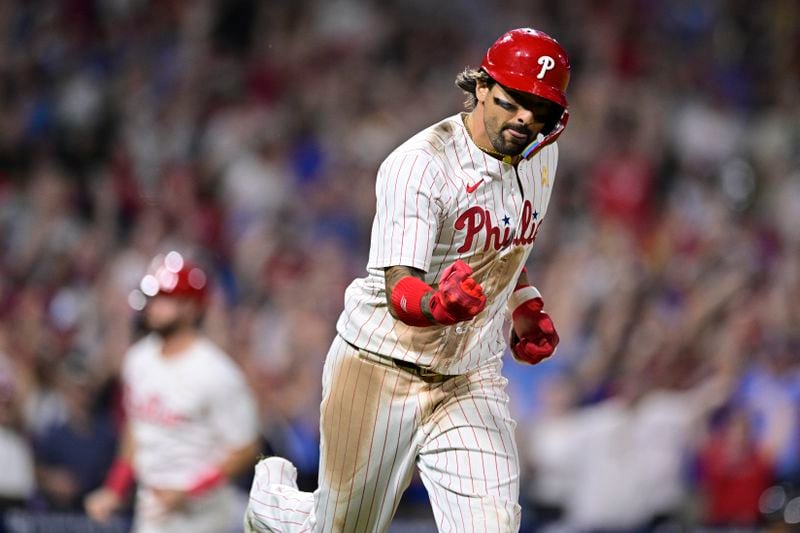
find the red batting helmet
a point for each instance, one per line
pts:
(532, 62)
(172, 275)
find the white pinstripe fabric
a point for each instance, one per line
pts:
(275, 502)
(459, 433)
(423, 217)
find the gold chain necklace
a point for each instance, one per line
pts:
(505, 158)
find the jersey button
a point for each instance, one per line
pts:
(460, 329)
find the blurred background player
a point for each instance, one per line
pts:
(191, 419)
(413, 378)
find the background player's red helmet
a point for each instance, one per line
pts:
(531, 61)
(173, 275)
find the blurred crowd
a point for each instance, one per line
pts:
(247, 135)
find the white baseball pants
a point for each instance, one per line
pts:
(378, 421)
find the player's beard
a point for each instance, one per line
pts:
(504, 147)
(167, 329)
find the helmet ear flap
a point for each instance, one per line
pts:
(553, 118)
(533, 148)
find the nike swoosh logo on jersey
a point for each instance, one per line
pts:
(472, 188)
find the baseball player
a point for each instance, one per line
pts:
(191, 419)
(413, 377)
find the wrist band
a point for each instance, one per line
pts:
(209, 479)
(120, 478)
(522, 295)
(407, 301)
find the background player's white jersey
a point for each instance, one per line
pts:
(185, 412)
(441, 198)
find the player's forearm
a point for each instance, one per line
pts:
(523, 291)
(457, 298)
(240, 460)
(233, 464)
(120, 476)
(392, 277)
(126, 446)
(522, 280)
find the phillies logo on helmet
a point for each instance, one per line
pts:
(547, 63)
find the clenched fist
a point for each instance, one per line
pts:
(458, 297)
(533, 335)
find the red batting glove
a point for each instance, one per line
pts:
(459, 297)
(534, 336)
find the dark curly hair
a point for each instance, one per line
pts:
(468, 82)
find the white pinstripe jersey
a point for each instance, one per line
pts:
(440, 198)
(185, 412)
